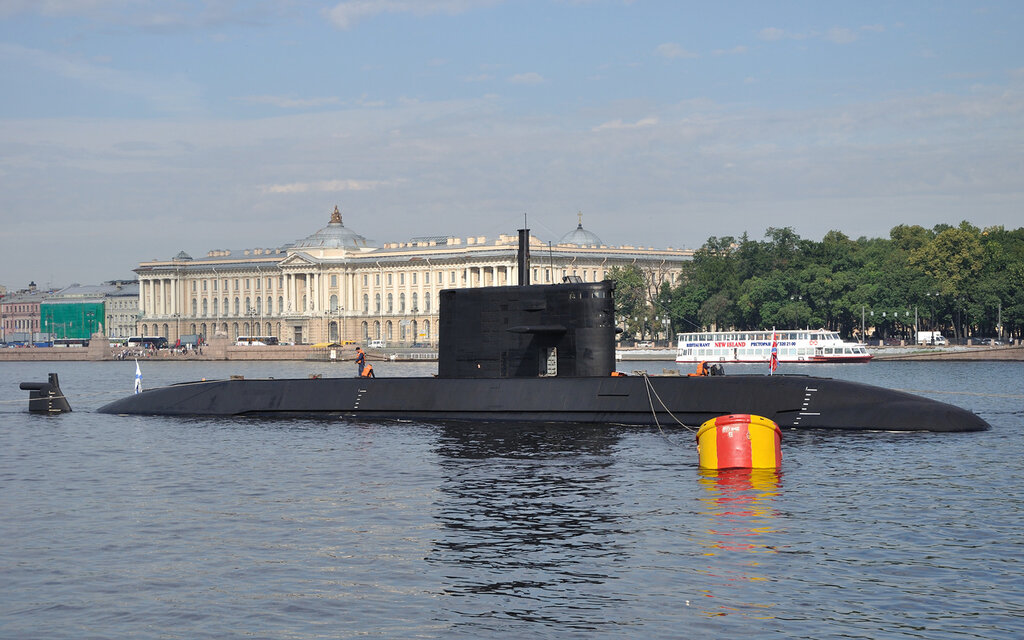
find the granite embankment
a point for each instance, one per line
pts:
(217, 349)
(1015, 353)
(223, 349)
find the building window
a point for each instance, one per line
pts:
(414, 278)
(334, 280)
(389, 279)
(195, 305)
(270, 306)
(248, 304)
(205, 283)
(426, 278)
(401, 278)
(366, 280)
(376, 279)
(280, 305)
(236, 284)
(247, 284)
(376, 303)
(366, 303)
(451, 277)
(193, 286)
(334, 303)
(238, 308)
(391, 303)
(401, 303)
(259, 281)
(415, 307)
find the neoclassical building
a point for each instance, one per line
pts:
(334, 285)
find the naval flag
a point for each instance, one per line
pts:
(773, 360)
(138, 378)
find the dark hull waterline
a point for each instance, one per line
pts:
(790, 401)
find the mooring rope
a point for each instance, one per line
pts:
(654, 412)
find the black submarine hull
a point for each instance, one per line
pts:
(790, 401)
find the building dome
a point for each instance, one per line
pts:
(580, 236)
(333, 236)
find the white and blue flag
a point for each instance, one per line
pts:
(138, 378)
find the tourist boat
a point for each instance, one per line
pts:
(801, 345)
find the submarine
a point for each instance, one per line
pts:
(546, 353)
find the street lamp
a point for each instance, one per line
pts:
(331, 315)
(796, 299)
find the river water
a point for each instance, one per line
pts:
(152, 527)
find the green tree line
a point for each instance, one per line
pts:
(963, 281)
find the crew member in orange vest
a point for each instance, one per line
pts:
(360, 359)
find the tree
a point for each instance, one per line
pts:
(953, 261)
(630, 298)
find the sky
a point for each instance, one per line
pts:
(131, 130)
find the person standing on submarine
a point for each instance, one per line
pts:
(360, 360)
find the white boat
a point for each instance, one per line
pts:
(801, 345)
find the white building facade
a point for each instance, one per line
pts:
(334, 286)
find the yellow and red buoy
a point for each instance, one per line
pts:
(739, 441)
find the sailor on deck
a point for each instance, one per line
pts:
(360, 360)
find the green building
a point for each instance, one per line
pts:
(70, 319)
(75, 312)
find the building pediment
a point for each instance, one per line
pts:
(298, 260)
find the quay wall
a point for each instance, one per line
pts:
(216, 349)
(1014, 353)
(224, 350)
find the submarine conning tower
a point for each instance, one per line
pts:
(527, 331)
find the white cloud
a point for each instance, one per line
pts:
(737, 50)
(345, 15)
(324, 186)
(154, 15)
(840, 35)
(527, 78)
(835, 35)
(673, 50)
(285, 102)
(174, 94)
(772, 33)
(619, 124)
